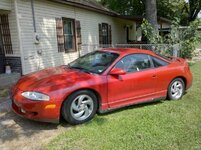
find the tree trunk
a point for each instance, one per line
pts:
(151, 13)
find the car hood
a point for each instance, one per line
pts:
(51, 77)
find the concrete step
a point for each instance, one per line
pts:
(7, 80)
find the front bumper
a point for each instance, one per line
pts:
(45, 111)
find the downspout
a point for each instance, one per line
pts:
(36, 36)
(19, 36)
(33, 15)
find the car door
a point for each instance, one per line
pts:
(164, 75)
(138, 84)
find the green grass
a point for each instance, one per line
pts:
(165, 125)
(4, 93)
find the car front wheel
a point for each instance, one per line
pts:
(176, 89)
(79, 107)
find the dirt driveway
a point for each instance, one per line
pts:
(22, 134)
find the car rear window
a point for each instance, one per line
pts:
(158, 62)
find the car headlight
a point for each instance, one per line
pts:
(36, 96)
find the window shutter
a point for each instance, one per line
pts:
(78, 35)
(6, 37)
(60, 34)
(100, 34)
(109, 34)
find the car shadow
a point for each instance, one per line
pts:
(13, 127)
(131, 107)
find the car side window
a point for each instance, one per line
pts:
(134, 63)
(158, 62)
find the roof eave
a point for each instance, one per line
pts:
(79, 5)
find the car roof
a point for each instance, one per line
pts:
(126, 51)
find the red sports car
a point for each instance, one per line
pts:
(98, 82)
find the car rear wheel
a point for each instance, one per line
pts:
(176, 89)
(79, 107)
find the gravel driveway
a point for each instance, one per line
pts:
(22, 134)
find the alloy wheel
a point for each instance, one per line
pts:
(81, 107)
(177, 89)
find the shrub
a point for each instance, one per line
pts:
(186, 37)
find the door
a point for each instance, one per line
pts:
(2, 55)
(127, 35)
(137, 85)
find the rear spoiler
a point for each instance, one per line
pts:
(173, 58)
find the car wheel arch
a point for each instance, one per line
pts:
(181, 77)
(98, 96)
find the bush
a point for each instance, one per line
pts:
(186, 37)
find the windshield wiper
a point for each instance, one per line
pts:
(81, 69)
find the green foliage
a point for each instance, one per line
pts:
(170, 9)
(186, 11)
(186, 37)
(190, 38)
(125, 7)
(150, 33)
(4, 93)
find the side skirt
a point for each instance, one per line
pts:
(144, 102)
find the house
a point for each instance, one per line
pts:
(36, 34)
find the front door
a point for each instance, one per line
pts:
(137, 85)
(2, 55)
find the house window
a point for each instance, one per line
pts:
(5, 35)
(105, 34)
(68, 35)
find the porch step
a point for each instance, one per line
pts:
(7, 80)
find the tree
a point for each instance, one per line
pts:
(192, 8)
(151, 13)
(170, 9)
(125, 7)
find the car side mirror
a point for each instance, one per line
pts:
(117, 71)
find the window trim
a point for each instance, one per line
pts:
(160, 59)
(109, 33)
(74, 49)
(149, 56)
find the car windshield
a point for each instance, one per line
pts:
(96, 62)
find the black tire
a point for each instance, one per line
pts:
(69, 113)
(180, 83)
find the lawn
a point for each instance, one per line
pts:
(163, 125)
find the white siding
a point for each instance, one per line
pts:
(45, 14)
(13, 32)
(5, 4)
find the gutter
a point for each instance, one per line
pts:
(79, 5)
(19, 36)
(33, 15)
